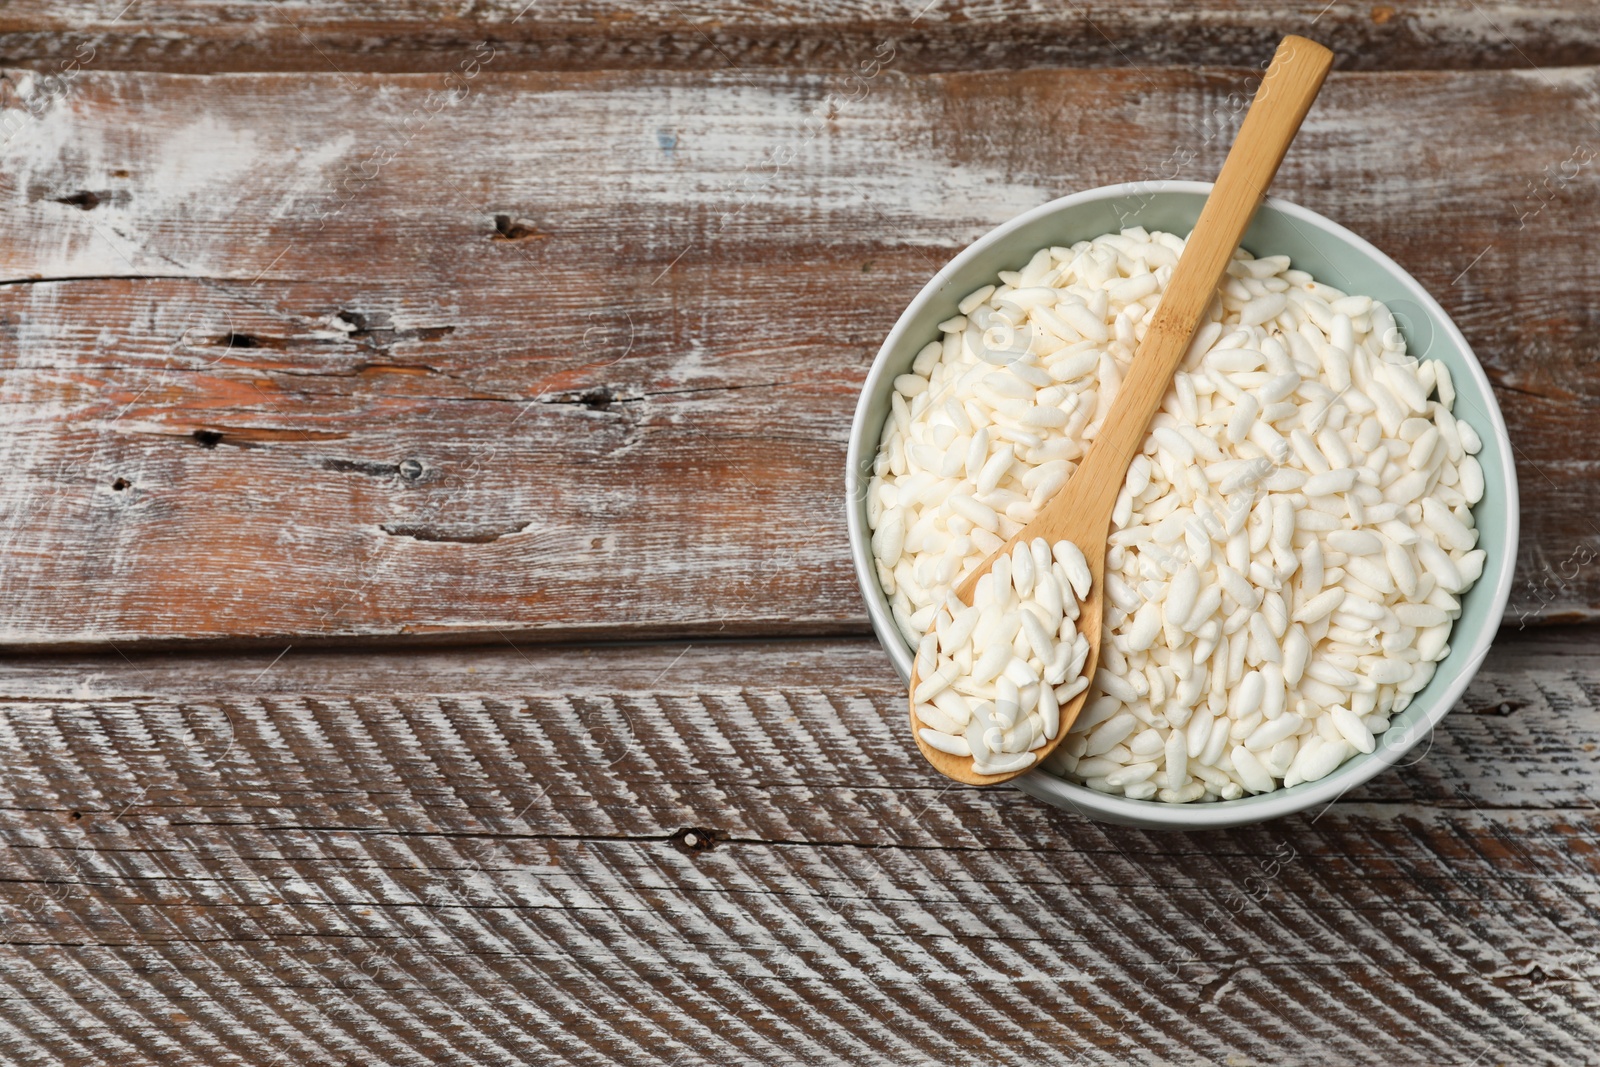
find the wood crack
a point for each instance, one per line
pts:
(602, 397)
(436, 534)
(67, 278)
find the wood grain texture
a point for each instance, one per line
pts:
(483, 857)
(299, 355)
(322, 356)
(210, 36)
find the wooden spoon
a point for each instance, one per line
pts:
(1081, 511)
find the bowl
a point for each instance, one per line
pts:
(1333, 255)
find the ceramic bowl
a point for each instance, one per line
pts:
(1333, 255)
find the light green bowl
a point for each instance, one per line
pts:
(1333, 255)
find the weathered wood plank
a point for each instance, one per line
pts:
(482, 857)
(601, 421)
(211, 36)
(1521, 736)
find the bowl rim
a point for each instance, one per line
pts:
(1225, 813)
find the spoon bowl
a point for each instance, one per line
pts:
(1082, 532)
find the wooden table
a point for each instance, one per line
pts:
(430, 634)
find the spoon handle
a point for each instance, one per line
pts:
(1287, 90)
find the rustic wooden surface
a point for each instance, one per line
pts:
(484, 857)
(350, 408)
(537, 328)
